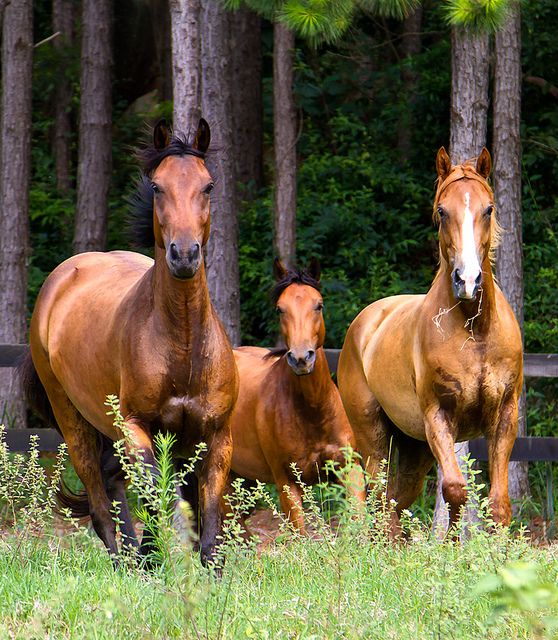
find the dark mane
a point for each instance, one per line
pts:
(140, 219)
(275, 352)
(293, 276)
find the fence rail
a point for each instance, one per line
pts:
(544, 365)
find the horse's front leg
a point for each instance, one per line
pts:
(213, 479)
(500, 440)
(139, 444)
(440, 435)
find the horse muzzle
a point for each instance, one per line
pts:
(465, 287)
(184, 263)
(301, 364)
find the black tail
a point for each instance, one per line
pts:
(35, 393)
(76, 503)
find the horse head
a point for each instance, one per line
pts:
(171, 206)
(299, 305)
(464, 211)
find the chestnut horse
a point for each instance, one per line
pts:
(289, 409)
(121, 323)
(444, 367)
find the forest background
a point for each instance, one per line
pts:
(371, 109)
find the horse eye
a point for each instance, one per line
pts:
(278, 311)
(208, 189)
(442, 213)
(155, 188)
(319, 306)
(489, 210)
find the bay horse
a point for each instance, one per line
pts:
(145, 330)
(444, 367)
(289, 409)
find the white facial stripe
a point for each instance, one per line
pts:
(471, 269)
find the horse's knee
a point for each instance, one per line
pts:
(454, 493)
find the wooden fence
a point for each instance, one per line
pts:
(526, 449)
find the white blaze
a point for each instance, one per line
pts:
(470, 267)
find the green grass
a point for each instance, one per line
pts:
(343, 587)
(342, 583)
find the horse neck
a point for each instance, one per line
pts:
(312, 389)
(482, 309)
(181, 305)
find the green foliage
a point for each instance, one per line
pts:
(319, 21)
(27, 490)
(343, 581)
(516, 587)
(477, 15)
(397, 9)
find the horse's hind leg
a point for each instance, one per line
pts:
(415, 460)
(83, 449)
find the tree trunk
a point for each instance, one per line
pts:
(468, 117)
(15, 167)
(186, 64)
(95, 135)
(222, 249)
(507, 190)
(160, 13)
(410, 47)
(284, 143)
(247, 103)
(63, 19)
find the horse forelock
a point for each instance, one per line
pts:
(294, 276)
(150, 157)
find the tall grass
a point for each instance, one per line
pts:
(346, 580)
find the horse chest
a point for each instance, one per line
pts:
(187, 417)
(471, 400)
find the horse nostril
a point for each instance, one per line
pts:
(310, 355)
(194, 252)
(478, 279)
(174, 255)
(457, 276)
(291, 359)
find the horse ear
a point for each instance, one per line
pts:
(315, 269)
(279, 271)
(484, 163)
(202, 137)
(161, 135)
(443, 163)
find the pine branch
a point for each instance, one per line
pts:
(477, 15)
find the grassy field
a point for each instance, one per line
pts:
(343, 585)
(345, 581)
